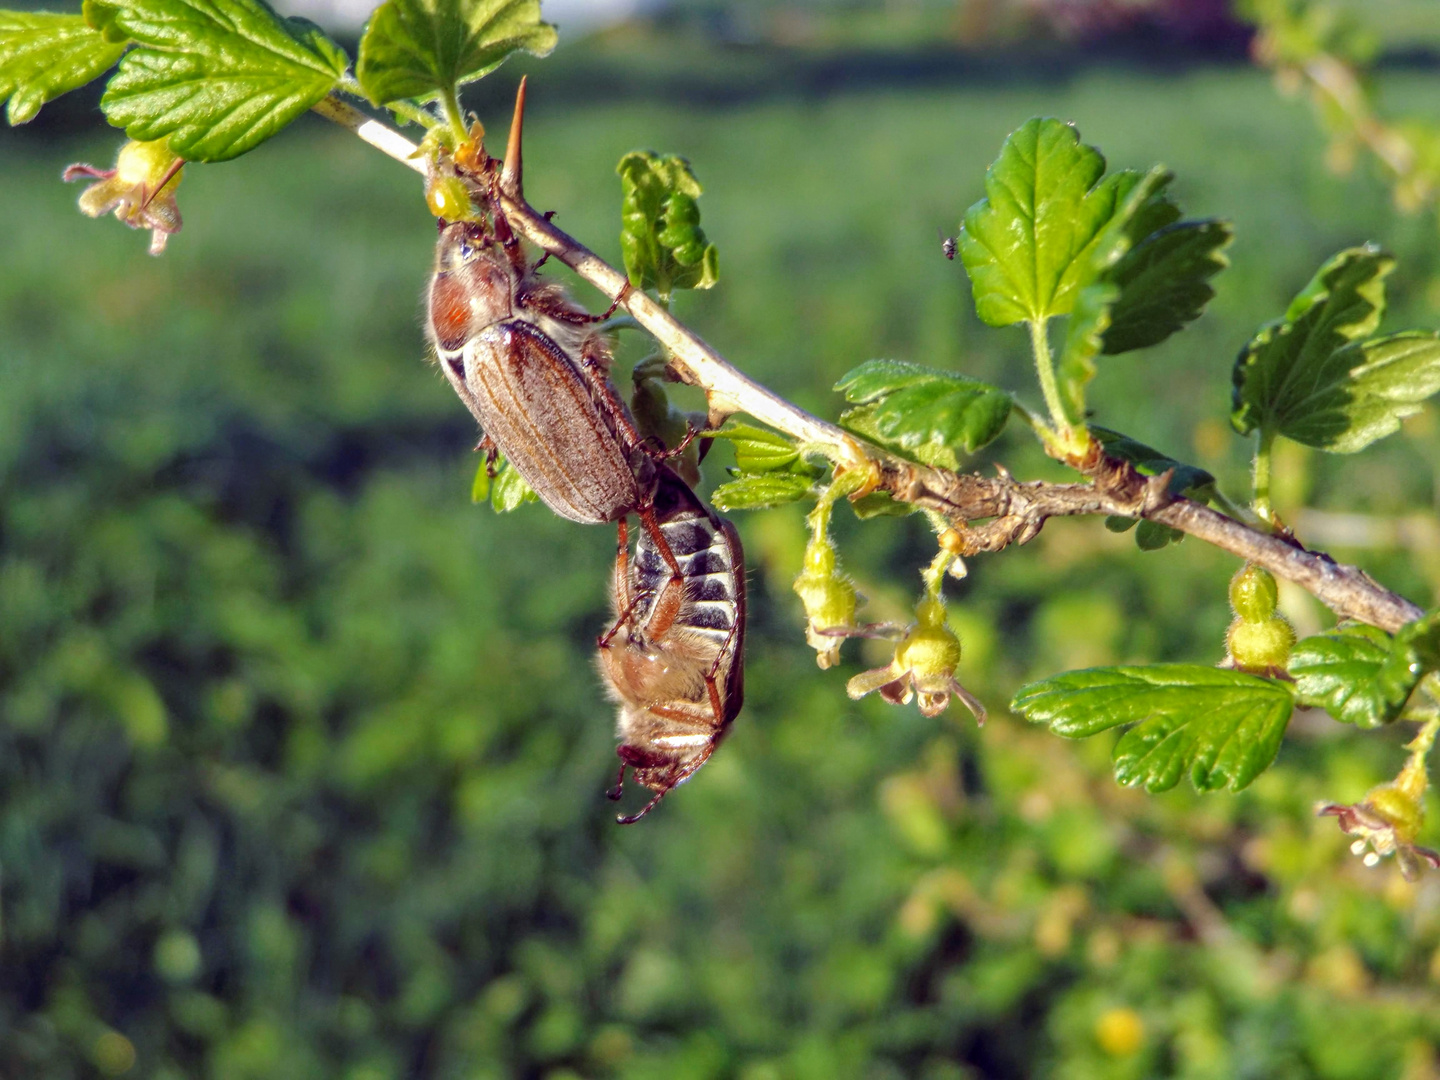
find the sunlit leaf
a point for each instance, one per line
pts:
(1347, 673)
(1314, 377)
(1027, 244)
(420, 48)
(761, 491)
(1221, 727)
(43, 56)
(930, 416)
(660, 236)
(216, 77)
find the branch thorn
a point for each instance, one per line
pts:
(510, 175)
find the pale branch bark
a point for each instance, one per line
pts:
(1007, 511)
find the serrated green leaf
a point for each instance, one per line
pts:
(100, 15)
(927, 415)
(756, 449)
(1188, 480)
(420, 48)
(761, 491)
(1140, 205)
(1365, 391)
(1222, 727)
(660, 235)
(1346, 672)
(1028, 243)
(216, 77)
(509, 491)
(1084, 337)
(1313, 377)
(43, 56)
(1164, 283)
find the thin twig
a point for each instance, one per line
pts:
(1010, 512)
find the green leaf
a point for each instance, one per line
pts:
(1188, 480)
(216, 77)
(756, 449)
(1222, 727)
(420, 48)
(761, 491)
(480, 486)
(101, 15)
(660, 235)
(1367, 389)
(1164, 283)
(1313, 377)
(1153, 535)
(1027, 244)
(509, 491)
(43, 56)
(1348, 673)
(1140, 205)
(927, 415)
(880, 504)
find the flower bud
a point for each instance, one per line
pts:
(1259, 640)
(829, 599)
(1253, 594)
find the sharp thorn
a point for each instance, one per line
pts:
(510, 175)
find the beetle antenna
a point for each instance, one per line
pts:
(510, 175)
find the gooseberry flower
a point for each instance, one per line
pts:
(1388, 819)
(924, 665)
(140, 190)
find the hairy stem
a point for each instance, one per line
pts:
(1263, 454)
(1007, 511)
(1045, 371)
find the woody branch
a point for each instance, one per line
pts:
(1008, 511)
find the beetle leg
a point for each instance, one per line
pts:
(546, 257)
(593, 362)
(487, 446)
(563, 312)
(624, 602)
(662, 545)
(508, 240)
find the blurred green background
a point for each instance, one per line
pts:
(302, 756)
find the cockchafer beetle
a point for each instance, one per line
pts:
(534, 371)
(673, 661)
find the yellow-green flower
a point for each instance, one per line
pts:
(924, 666)
(1389, 818)
(140, 190)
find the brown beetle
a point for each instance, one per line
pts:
(533, 370)
(673, 661)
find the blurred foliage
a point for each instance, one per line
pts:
(302, 756)
(1328, 48)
